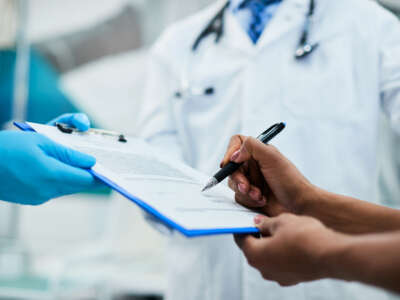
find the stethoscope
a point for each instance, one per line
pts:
(216, 26)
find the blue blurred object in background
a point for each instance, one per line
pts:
(46, 100)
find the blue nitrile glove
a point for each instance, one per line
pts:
(34, 169)
(81, 122)
(78, 120)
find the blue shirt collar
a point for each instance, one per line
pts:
(234, 5)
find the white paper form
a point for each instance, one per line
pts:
(168, 186)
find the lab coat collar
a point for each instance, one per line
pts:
(290, 14)
(234, 37)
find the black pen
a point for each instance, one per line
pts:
(232, 167)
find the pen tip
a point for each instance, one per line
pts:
(211, 183)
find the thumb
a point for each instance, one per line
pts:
(77, 120)
(67, 155)
(251, 148)
(266, 225)
(80, 121)
(234, 145)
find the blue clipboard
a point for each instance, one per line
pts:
(152, 211)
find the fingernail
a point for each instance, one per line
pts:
(235, 155)
(258, 219)
(261, 201)
(242, 188)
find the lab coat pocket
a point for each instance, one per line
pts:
(204, 96)
(323, 85)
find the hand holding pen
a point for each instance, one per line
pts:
(231, 167)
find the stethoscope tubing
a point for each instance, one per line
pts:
(217, 26)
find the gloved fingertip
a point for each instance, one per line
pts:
(87, 161)
(81, 121)
(79, 159)
(58, 119)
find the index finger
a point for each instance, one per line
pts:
(267, 225)
(71, 179)
(234, 144)
(245, 242)
(252, 247)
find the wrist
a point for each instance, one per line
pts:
(306, 199)
(334, 256)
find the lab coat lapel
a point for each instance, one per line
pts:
(235, 36)
(291, 14)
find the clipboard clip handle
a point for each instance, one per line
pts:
(64, 128)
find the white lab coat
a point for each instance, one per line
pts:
(330, 102)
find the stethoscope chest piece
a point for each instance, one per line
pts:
(305, 50)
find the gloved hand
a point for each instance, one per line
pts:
(34, 169)
(81, 122)
(78, 120)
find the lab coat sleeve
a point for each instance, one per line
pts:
(389, 36)
(389, 43)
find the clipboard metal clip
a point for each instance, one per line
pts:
(64, 128)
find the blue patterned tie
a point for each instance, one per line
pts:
(256, 8)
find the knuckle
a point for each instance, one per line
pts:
(48, 174)
(284, 217)
(239, 199)
(251, 260)
(247, 141)
(234, 177)
(245, 201)
(279, 220)
(42, 196)
(235, 140)
(50, 189)
(278, 223)
(234, 137)
(284, 283)
(266, 275)
(231, 184)
(273, 149)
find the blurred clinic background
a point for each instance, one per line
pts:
(90, 56)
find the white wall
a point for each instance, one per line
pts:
(52, 17)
